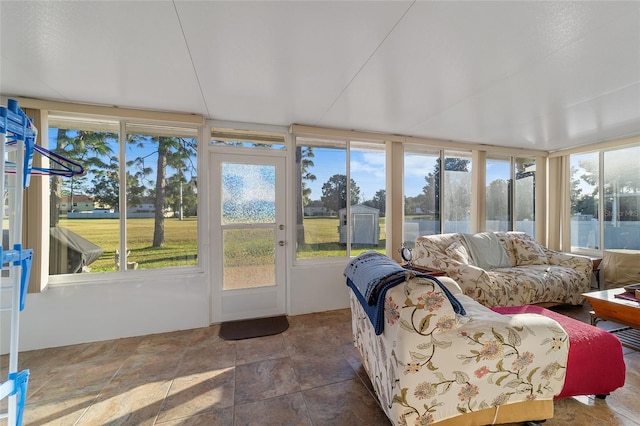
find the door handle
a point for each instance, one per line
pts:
(281, 243)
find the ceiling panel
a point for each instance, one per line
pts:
(114, 53)
(458, 62)
(283, 62)
(526, 74)
(540, 96)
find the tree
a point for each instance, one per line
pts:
(378, 201)
(106, 190)
(182, 195)
(498, 200)
(432, 188)
(584, 203)
(174, 153)
(415, 205)
(91, 150)
(304, 163)
(334, 192)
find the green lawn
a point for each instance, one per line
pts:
(180, 248)
(322, 239)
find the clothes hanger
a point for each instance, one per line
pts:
(62, 165)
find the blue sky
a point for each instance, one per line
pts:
(148, 151)
(368, 171)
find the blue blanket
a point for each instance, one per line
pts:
(362, 280)
(370, 271)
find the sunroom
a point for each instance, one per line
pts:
(222, 139)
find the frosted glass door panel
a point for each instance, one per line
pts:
(249, 258)
(248, 193)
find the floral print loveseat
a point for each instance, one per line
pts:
(431, 365)
(532, 273)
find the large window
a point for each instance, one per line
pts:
(367, 171)
(498, 195)
(161, 197)
(511, 207)
(456, 192)
(421, 193)
(341, 197)
(585, 233)
(616, 175)
(156, 205)
(621, 181)
(425, 184)
(524, 203)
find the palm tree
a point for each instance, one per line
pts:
(175, 153)
(91, 150)
(304, 162)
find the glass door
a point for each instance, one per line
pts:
(248, 236)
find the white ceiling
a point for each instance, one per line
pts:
(539, 75)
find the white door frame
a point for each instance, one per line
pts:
(229, 305)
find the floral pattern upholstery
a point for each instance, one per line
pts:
(429, 364)
(537, 274)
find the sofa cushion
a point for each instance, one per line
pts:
(528, 252)
(487, 251)
(457, 251)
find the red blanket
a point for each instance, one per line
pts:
(595, 365)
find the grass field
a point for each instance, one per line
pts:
(322, 239)
(180, 248)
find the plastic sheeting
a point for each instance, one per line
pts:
(70, 253)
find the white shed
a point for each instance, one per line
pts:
(365, 225)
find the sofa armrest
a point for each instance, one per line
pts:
(438, 363)
(569, 260)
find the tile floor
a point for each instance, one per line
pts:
(308, 375)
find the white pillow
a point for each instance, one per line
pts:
(487, 251)
(458, 252)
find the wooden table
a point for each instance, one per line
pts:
(425, 270)
(608, 307)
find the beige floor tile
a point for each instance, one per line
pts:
(344, 403)
(322, 369)
(310, 374)
(223, 417)
(262, 348)
(199, 393)
(127, 404)
(282, 410)
(265, 379)
(56, 412)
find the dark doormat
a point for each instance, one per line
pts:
(257, 327)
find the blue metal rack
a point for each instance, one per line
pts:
(17, 142)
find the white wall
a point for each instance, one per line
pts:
(317, 288)
(79, 313)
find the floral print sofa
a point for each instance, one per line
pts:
(531, 273)
(431, 365)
